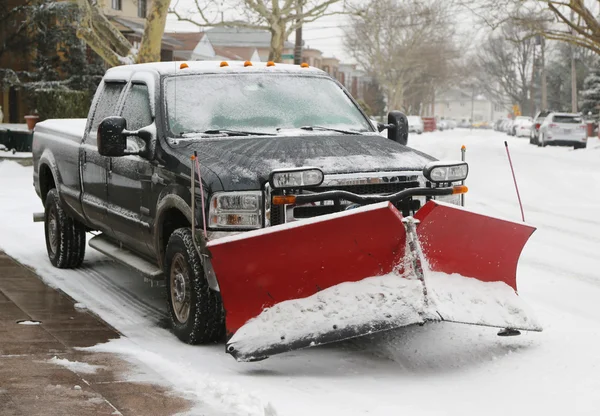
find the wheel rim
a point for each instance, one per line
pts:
(180, 288)
(53, 230)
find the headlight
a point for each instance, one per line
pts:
(296, 178)
(236, 210)
(446, 171)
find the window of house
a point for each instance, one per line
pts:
(107, 106)
(116, 4)
(142, 8)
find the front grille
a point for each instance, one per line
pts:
(370, 189)
(384, 186)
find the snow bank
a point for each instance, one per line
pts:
(75, 366)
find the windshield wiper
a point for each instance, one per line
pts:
(237, 132)
(229, 132)
(311, 128)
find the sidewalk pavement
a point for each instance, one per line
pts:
(34, 382)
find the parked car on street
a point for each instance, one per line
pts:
(505, 125)
(535, 127)
(415, 124)
(563, 129)
(517, 122)
(523, 129)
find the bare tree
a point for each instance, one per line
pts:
(572, 21)
(280, 17)
(505, 64)
(106, 40)
(404, 44)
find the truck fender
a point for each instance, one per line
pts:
(47, 158)
(167, 202)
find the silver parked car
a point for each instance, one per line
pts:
(563, 129)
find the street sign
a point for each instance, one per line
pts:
(287, 56)
(516, 110)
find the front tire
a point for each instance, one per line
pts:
(196, 311)
(65, 236)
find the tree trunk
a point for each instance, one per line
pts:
(277, 41)
(153, 32)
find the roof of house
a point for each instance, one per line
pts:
(188, 40)
(136, 29)
(243, 53)
(241, 36)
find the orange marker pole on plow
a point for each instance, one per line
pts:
(515, 180)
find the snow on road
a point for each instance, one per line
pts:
(437, 369)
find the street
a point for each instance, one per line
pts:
(431, 370)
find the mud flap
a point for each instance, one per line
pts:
(345, 275)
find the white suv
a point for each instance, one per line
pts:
(563, 129)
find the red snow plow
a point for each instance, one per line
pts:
(366, 270)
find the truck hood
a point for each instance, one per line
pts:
(246, 162)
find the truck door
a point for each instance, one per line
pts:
(127, 217)
(93, 166)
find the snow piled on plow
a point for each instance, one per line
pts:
(381, 303)
(466, 300)
(370, 303)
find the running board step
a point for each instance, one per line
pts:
(111, 249)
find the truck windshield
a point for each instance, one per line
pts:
(258, 102)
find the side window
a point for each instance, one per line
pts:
(107, 106)
(137, 107)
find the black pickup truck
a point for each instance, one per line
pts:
(126, 171)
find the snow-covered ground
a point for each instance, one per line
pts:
(437, 369)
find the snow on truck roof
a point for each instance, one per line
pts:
(203, 67)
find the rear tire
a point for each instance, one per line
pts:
(65, 236)
(195, 310)
(580, 146)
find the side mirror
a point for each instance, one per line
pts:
(112, 141)
(398, 127)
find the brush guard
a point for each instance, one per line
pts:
(367, 270)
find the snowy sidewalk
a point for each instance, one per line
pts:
(42, 372)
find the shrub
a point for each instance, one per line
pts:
(59, 103)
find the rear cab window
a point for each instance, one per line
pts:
(137, 113)
(107, 106)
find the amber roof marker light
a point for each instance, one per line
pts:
(304, 65)
(270, 63)
(222, 64)
(183, 66)
(247, 63)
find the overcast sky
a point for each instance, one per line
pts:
(327, 33)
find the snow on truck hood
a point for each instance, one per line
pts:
(245, 163)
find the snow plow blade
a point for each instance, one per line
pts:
(349, 274)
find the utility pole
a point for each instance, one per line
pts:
(573, 74)
(472, 105)
(531, 86)
(298, 45)
(544, 86)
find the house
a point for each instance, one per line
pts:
(240, 41)
(355, 80)
(196, 46)
(129, 16)
(461, 104)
